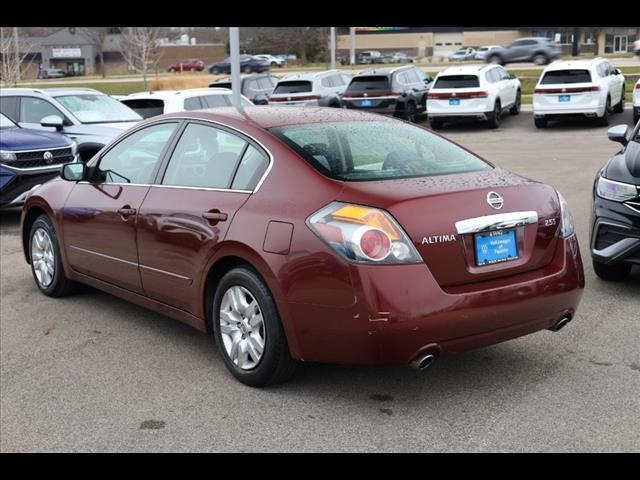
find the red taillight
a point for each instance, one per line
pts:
(475, 94)
(594, 88)
(637, 86)
(374, 243)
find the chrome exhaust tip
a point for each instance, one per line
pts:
(423, 360)
(561, 324)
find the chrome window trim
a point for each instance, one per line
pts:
(154, 185)
(215, 122)
(496, 222)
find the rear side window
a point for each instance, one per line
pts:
(192, 103)
(566, 76)
(9, 107)
(369, 82)
(251, 169)
(457, 81)
(146, 107)
(293, 86)
(213, 101)
(204, 157)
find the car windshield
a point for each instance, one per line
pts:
(6, 123)
(566, 76)
(97, 108)
(375, 150)
(457, 81)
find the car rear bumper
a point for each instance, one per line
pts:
(387, 107)
(448, 117)
(400, 311)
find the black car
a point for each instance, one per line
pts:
(615, 222)
(398, 91)
(255, 87)
(248, 64)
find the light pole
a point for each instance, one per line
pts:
(234, 48)
(352, 33)
(333, 48)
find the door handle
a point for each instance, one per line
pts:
(215, 216)
(126, 212)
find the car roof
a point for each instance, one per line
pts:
(309, 76)
(269, 116)
(384, 70)
(466, 69)
(565, 64)
(164, 94)
(53, 92)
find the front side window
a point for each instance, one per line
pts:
(97, 108)
(204, 157)
(133, 159)
(33, 110)
(374, 150)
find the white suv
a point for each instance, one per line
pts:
(322, 89)
(584, 88)
(636, 102)
(473, 92)
(150, 104)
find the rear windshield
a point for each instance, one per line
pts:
(372, 82)
(457, 81)
(566, 76)
(221, 85)
(146, 107)
(293, 86)
(359, 151)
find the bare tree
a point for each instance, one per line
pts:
(96, 36)
(139, 47)
(12, 59)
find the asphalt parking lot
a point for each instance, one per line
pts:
(94, 373)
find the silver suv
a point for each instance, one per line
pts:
(323, 89)
(538, 50)
(85, 115)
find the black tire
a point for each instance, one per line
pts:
(247, 69)
(604, 119)
(172, 70)
(541, 122)
(275, 365)
(540, 59)
(619, 108)
(614, 272)
(495, 59)
(496, 116)
(636, 117)
(60, 285)
(192, 69)
(410, 112)
(515, 110)
(436, 124)
(215, 71)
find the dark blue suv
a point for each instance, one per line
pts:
(29, 158)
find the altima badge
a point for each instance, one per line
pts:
(438, 239)
(495, 200)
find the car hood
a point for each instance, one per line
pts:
(625, 166)
(27, 139)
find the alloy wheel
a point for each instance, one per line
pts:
(43, 257)
(242, 327)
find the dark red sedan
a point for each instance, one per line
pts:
(310, 234)
(188, 65)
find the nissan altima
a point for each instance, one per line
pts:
(312, 234)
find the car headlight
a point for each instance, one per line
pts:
(567, 227)
(363, 234)
(7, 156)
(616, 191)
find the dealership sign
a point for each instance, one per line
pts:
(66, 52)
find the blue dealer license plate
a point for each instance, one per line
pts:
(365, 103)
(495, 247)
(564, 98)
(454, 101)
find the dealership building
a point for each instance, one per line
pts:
(70, 50)
(441, 42)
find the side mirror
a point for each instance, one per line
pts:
(512, 77)
(618, 134)
(73, 172)
(52, 121)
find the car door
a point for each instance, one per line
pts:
(508, 88)
(209, 175)
(616, 84)
(99, 217)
